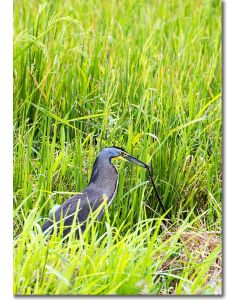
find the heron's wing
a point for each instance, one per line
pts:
(79, 207)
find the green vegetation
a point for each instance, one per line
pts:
(143, 75)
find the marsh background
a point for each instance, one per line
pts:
(143, 75)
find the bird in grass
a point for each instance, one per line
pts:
(102, 186)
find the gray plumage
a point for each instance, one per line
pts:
(103, 185)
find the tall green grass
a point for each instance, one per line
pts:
(143, 75)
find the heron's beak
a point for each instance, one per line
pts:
(134, 160)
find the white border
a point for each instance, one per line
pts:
(6, 149)
(231, 151)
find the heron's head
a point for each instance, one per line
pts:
(113, 153)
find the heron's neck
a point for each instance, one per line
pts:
(104, 177)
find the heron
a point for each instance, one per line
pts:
(102, 186)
